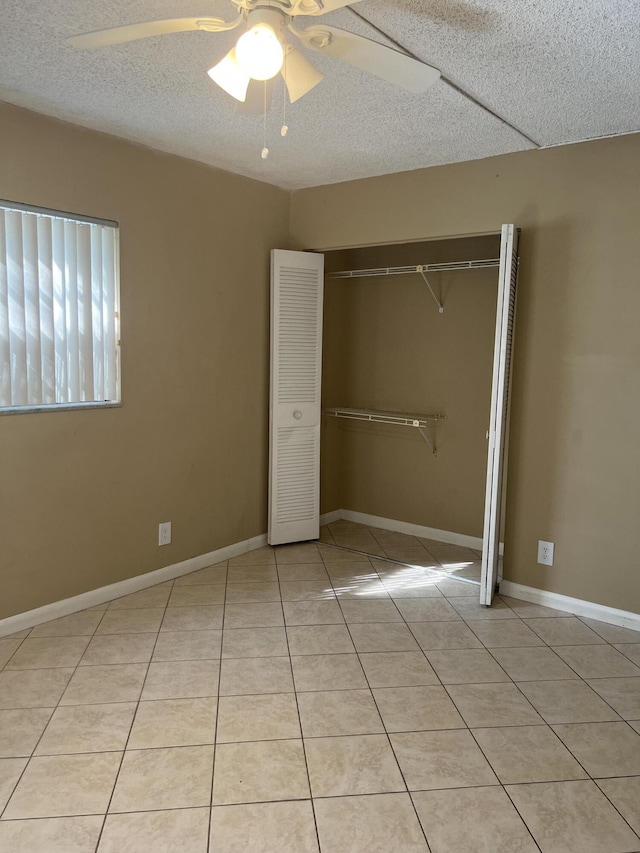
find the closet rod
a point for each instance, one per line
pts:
(418, 268)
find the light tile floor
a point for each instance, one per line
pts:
(305, 698)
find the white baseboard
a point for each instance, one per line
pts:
(116, 590)
(405, 527)
(67, 606)
(330, 517)
(577, 606)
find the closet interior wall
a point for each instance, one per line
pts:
(386, 347)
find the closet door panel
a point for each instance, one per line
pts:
(297, 282)
(499, 413)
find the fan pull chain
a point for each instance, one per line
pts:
(284, 129)
(265, 150)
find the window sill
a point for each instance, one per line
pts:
(57, 407)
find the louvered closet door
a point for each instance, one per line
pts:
(499, 415)
(297, 282)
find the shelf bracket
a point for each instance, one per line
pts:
(428, 440)
(420, 269)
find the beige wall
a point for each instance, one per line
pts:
(82, 493)
(387, 347)
(574, 465)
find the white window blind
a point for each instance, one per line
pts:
(59, 325)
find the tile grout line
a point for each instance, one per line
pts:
(595, 630)
(549, 725)
(312, 737)
(295, 694)
(610, 801)
(544, 644)
(133, 719)
(578, 678)
(215, 731)
(20, 641)
(517, 811)
(385, 557)
(530, 680)
(371, 530)
(510, 681)
(590, 777)
(424, 652)
(402, 776)
(55, 707)
(387, 735)
(624, 653)
(502, 786)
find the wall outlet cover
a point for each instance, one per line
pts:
(164, 533)
(545, 553)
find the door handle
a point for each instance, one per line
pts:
(297, 414)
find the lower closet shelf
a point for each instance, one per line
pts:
(421, 422)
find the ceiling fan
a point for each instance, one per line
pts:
(264, 49)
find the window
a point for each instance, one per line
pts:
(59, 324)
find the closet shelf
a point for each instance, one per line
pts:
(420, 269)
(420, 422)
(417, 268)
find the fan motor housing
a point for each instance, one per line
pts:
(274, 18)
(287, 7)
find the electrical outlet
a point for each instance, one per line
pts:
(164, 533)
(545, 553)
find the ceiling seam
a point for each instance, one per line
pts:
(592, 138)
(449, 82)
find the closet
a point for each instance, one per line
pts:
(411, 344)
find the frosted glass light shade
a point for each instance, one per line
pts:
(259, 52)
(230, 77)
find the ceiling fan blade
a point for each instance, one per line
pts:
(230, 77)
(384, 62)
(253, 104)
(133, 32)
(319, 7)
(299, 75)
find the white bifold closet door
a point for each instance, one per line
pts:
(499, 414)
(297, 285)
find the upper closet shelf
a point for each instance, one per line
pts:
(420, 269)
(417, 268)
(419, 422)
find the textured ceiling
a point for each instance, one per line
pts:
(559, 70)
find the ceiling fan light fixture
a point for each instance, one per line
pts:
(230, 76)
(259, 52)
